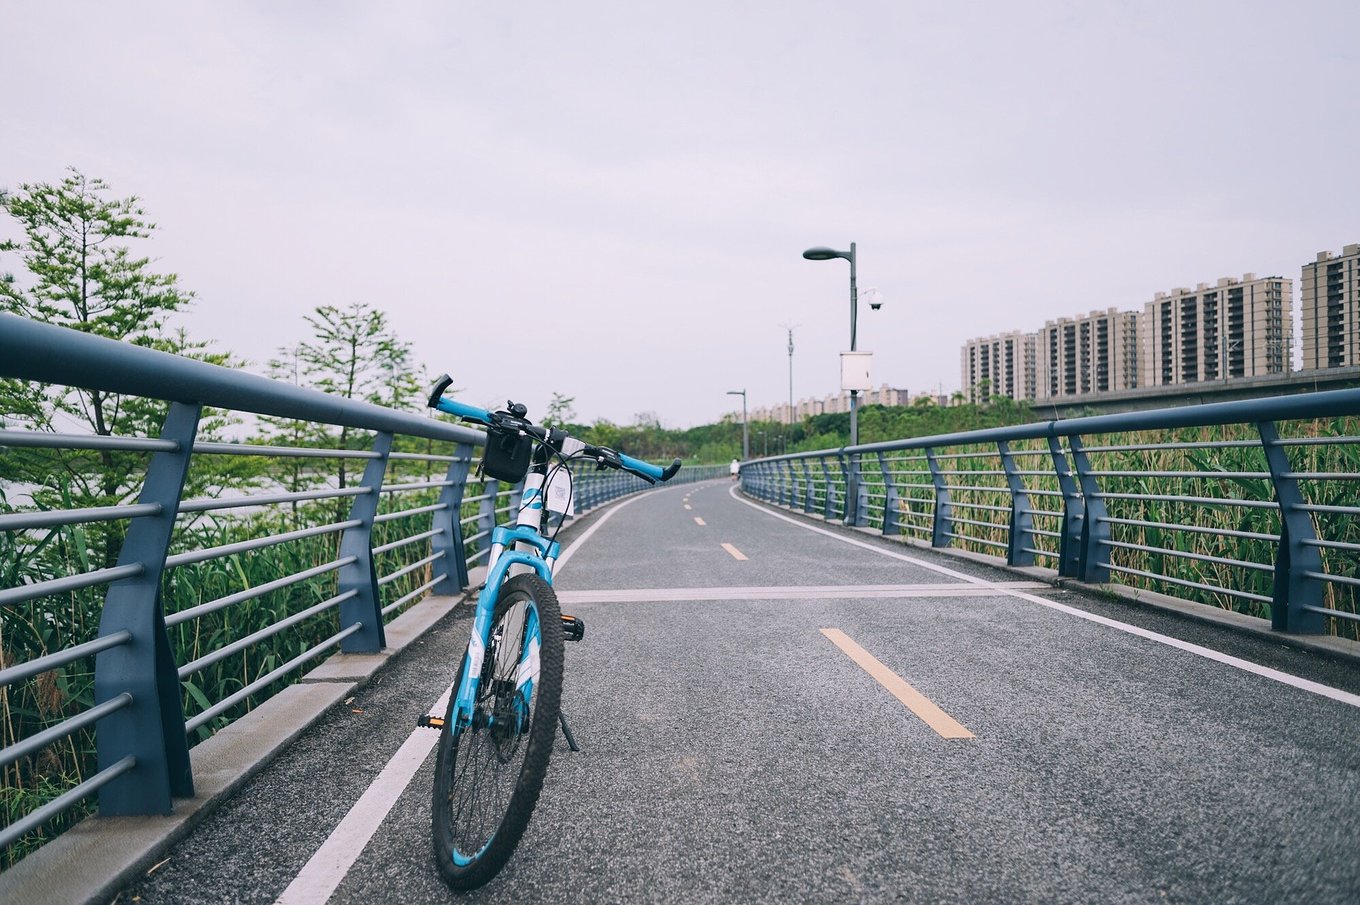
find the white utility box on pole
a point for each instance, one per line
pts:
(855, 368)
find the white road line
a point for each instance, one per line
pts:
(595, 526)
(326, 869)
(1326, 691)
(799, 592)
(700, 522)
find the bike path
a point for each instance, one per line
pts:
(733, 753)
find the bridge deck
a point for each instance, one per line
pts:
(734, 751)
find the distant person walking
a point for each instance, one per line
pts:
(735, 468)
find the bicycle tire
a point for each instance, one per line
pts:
(479, 816)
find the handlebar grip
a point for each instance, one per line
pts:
(641, 468)
(467, 412)
(653, 473)
(437, 391)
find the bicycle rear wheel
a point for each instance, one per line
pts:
(488, 776)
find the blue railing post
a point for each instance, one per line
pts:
(360, 576)
(809, 488)
(854, 490)
(829, 503)
(892, 503)
(449, 520)
(1020, 541)
(1297, 597)
(1073, 513)
(151, 728)
(942, 523)
(580, 488)
(486, 514)
(1094, 527)
(787, 489)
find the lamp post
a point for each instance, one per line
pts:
(854, 504)
(821, 253)
(789, 327)
(745, 428)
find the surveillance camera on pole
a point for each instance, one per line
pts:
(874, 297)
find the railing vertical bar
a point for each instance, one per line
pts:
(829, 500)
(151, 729)
(365, 605)
(1296, 596)
(892, 504)
(942, 528)
(1020, 539)
(855, 489)
(1069, 545)
(1094, 526)
(448, 520)
(486, 515)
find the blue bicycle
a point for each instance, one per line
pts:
(497, 734)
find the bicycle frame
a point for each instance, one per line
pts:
(521, 545)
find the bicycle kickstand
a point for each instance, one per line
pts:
(566, 731)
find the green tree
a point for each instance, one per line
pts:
(76, 268)
(561, 411)
(352, 353)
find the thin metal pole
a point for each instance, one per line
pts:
(854, 316)
(745, 431)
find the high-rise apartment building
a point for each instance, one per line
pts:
(1236, 328)
(1330, 296)
(1001, 365)
(1093, 353)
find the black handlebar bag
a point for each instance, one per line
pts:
(507, 456)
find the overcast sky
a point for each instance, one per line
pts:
(610, 200)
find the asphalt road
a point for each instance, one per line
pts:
(733, 753)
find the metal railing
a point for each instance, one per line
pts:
(174, 601)
(1250, 505)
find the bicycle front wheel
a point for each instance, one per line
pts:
(488, 775)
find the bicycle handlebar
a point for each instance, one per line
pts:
(506, 420)
(648, 470)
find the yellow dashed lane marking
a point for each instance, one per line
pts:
(688, 506)
(736, 554)
(698, 521)
(917, 703)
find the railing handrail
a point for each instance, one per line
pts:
(46, 353)
(848, 485)
(1326, 404)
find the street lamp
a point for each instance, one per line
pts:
(854, 504)
(821, 253)
(745, 428)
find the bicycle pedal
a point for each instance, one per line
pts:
(573, 628)
(430, 722)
